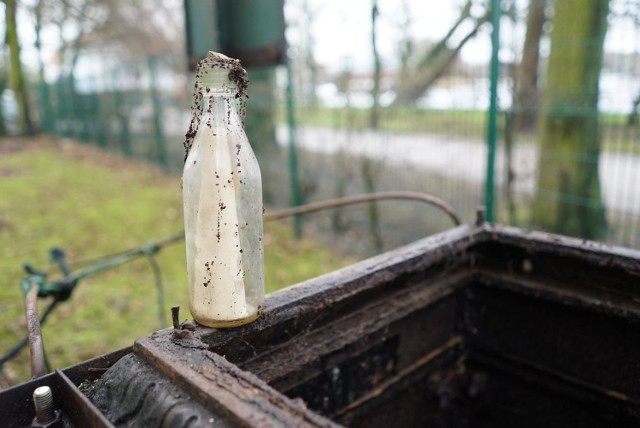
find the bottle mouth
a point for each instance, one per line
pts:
(219, 71)
(219, 91)
(215, 78)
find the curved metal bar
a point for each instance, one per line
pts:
(368, 197)
(25, 340)
(35, 335)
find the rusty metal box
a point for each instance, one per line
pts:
(475, 327)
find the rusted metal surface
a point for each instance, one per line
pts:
(478, 326)
(220, 385)
(134, 394)
(16, 406)
(598, 352)
(76, 407)
(317, 341)
(89, 371)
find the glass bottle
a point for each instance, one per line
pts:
(222, 196)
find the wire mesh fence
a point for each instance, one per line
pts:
(568, 160)
(427, 130)
(139, 108)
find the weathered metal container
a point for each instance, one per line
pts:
(478, 326)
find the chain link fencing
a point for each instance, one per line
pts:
(430, 138)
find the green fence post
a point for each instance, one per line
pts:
(293, 153)
(62, 108)
(119, 107)
(101, 126)
(492, 119)
(45, 107)
(98, 135)
(157, 112)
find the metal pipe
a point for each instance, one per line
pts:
(333, 203)
(35, 335)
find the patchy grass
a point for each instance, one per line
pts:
(93, 204)
(458, 123)
(617, 135)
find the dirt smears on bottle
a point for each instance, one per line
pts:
(237, 75)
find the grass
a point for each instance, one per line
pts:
(459, 123)
(93, 204)
(617, 135)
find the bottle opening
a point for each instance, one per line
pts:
(220, 71)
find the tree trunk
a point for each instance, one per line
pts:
(3, 126)
(568, 198)
(526, 100)
(309, 44)
(16, 74)
(46, 115)
(405, 44)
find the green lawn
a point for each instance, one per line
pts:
(93, 204)
(459, 123)
(617, 135)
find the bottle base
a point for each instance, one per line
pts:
(228, 323)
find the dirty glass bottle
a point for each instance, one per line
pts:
(222, 197)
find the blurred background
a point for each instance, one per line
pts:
(524, 106)
(527, 107)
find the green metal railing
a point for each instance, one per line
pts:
(482, 155)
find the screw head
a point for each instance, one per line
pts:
(43, 403)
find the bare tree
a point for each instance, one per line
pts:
(405, 43)
(308, 45)
(527, 98)
(438, 59)
(73, 19)
(142, 28)
(136, 29)
(17, 80)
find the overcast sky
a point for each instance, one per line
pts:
(342, 30)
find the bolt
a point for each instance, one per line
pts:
(175, 315)
(43, 403)
(480, 212)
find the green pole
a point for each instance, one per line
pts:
(45, 100)
(119, 109)
(492, 120)
(157, 123)
(97, 128)
(296, 198)
(65, 105)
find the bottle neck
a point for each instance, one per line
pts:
(219, 92)
(222, 100)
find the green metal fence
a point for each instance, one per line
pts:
(567, 154)
(465, 138)
(139, 109)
